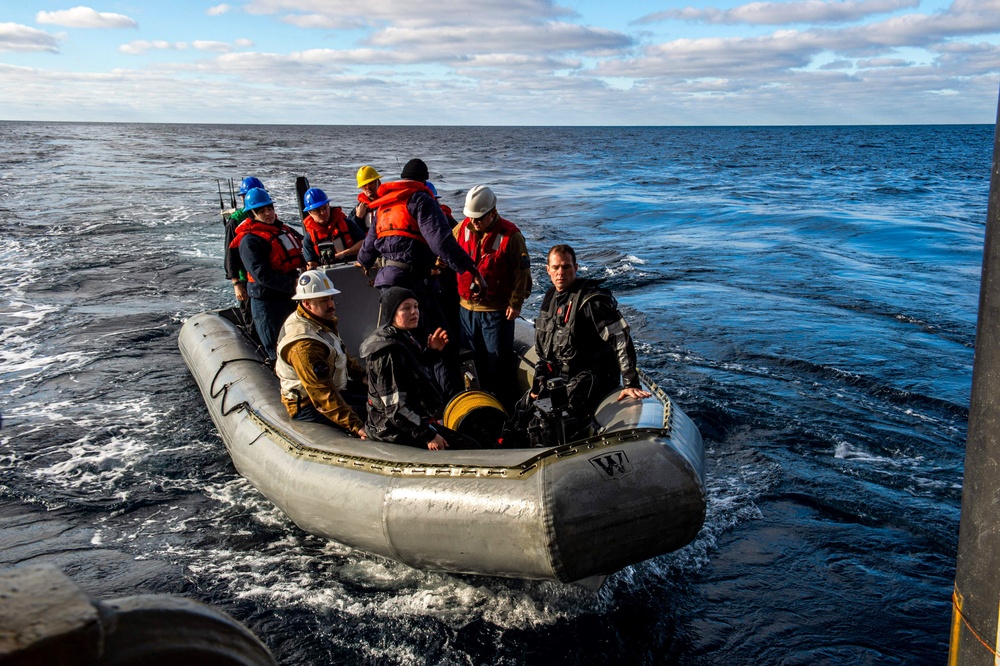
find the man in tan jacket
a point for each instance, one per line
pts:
(315, 370)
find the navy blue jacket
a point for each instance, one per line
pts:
(269, 284)
(436, 231)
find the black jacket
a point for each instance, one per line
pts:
(581, 329)
(403, 397)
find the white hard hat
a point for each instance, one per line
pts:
(479, 201)
(314, 284)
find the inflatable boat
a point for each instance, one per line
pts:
(574, 511)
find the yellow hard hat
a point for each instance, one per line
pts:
(367, 174)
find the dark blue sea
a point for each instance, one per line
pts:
(808, 295)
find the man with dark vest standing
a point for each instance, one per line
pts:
(487, 316)
(410, 232)
(582, 339)
(272, 256)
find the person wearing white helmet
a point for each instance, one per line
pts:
(487, 315)
(319, 379)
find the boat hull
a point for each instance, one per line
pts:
(566, 513)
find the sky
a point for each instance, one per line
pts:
(502, 62)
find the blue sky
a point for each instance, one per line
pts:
(516, 62)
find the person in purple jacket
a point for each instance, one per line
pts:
(410, 233)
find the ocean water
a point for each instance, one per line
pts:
(808, 295)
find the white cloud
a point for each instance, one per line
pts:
(442, 12)
(526, 62)
(874, 63)
(516, 35)
(774, 55)
(218, 10)
(716, 56)
(273, 69)
(322, 22)
(508, 62)
(528, 38)
(162, 93)
(838, 65)
(315, 60)
(962, 19)
(215, 47)
(16, 37)
(140, 46)
(85, 17)
(972, 59)
(781, 13)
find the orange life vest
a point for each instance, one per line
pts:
(490, 256)
(391, 217)
(286, 248)
(335, 227)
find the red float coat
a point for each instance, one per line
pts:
(286, 248)
(490, 256)
(335, 227)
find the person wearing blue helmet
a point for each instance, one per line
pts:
(330, 236)
(445, 208)
(233, 263)
(272, 255)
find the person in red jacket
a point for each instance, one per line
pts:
(487, 316)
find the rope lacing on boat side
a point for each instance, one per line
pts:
(397, 468)
(224, 390)
(662, 397)
(380, 466)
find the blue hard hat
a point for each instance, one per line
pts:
(430, 186)
(249, 183)
(257, 197)
(314, 198)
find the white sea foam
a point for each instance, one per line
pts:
(27, 363)
(734, 484)
(106, 460)
(21, 318)
(844, 450)
(21, 357)
(303, 571)
(291, 571)
(620, 268)
(90, 462)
